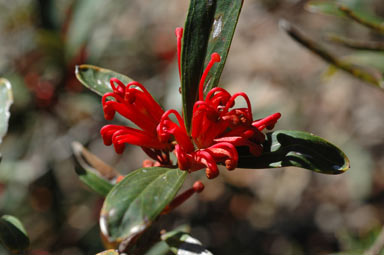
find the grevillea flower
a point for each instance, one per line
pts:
(134, 103)
(217, 126)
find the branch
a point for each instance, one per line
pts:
(355, 44)
(365, 74)
(376, 25)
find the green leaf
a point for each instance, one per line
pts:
(197, 29)
(160, 248)
(6, 100)
(92, 171)
(182, 243)
(97, 78)
(12, 234)
(135, 202)
(297, 148)
(224, 25)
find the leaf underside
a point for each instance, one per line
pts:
(93, 172)
(296, 148)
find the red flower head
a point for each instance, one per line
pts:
(217, 126)
(134, 103)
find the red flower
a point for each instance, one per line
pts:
(217, 126)
(134, 103)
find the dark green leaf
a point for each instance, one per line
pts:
(297, 148)
(12, 234)
(182, 243)
(97, 78)
(6, 100)
(197, 29)
(224, 25)
(135, 202)
(96, 174)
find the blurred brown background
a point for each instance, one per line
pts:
(282, 211)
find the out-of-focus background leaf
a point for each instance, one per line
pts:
(13, 234)
(6, 100)
(274, 211)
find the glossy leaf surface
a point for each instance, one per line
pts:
(297, 148)
(135, 202)
(92, 171)
(182, 243)
(6, 100)
(224, 25)
(12, 234)
(97, 79)
(197, 29)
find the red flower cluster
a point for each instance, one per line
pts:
(217, 127)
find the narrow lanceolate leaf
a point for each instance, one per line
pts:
(224, 25)
(97, 79)
(13, 235)
(366, 74)
(92, 171)
(297, 148)
(135, 202)
(6, 100)
(182, 243)
(197, 29)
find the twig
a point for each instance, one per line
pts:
(377, 246)
(378, 26)
(362, 73)
(355, 44)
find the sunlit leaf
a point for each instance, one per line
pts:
(197, 29)
(224, 25)
(13, 235)
(92, 171)
(135, 202)
(97, 78)
(6, 100)
(297, 148)
(182, 243)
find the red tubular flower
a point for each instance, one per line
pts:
(217, 126)
(135, 103)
